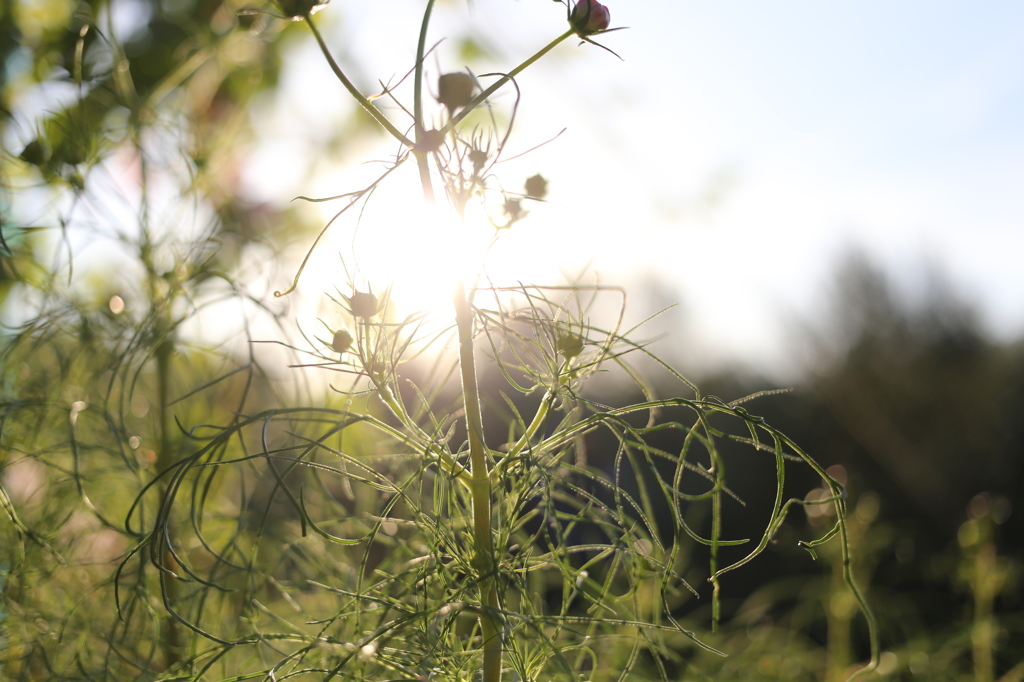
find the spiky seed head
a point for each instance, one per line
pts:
(342, 341)
(536, 186)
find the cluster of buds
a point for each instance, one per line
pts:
(361, 305)
(536, 188)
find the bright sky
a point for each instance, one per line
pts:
(743, 146)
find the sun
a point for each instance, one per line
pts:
(422, 253)
(416, 250)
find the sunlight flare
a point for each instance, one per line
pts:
(417, 250)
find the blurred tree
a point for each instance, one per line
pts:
(123, 125)
(928, 407)
(922, 410)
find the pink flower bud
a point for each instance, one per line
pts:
(589, 16)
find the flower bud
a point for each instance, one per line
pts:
(568, 344)
(455, 90)
(362, 304)
(297, 9)
(342, 341)
(589, 16)
(536, 186)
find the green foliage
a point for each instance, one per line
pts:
(173, 510)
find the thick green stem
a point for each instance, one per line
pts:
(480, 483)
(490, 622)
(171, 637)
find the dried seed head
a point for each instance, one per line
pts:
(536, 187)
(514, 209)
(589, 17)
(362, 304)
(455, 90)
(478, 158)
(342, 341)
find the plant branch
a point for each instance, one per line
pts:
(352, 90)
(481, 489)
(417, 106)
(479, 99)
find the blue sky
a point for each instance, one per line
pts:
(742, 147)
(894, 127)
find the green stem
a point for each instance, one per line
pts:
(160, 307)
(171, 638)
(421, 46)
(481, 492)
(352, 90)
(535, 424)
(421, 439)
(716, 530)
(479, 99)
(984, 586)
(417, 106)
(424, 169)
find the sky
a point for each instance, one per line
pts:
(735, 153)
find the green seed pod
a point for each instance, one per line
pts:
(568, 344)
(342, 341)
(362, 304)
